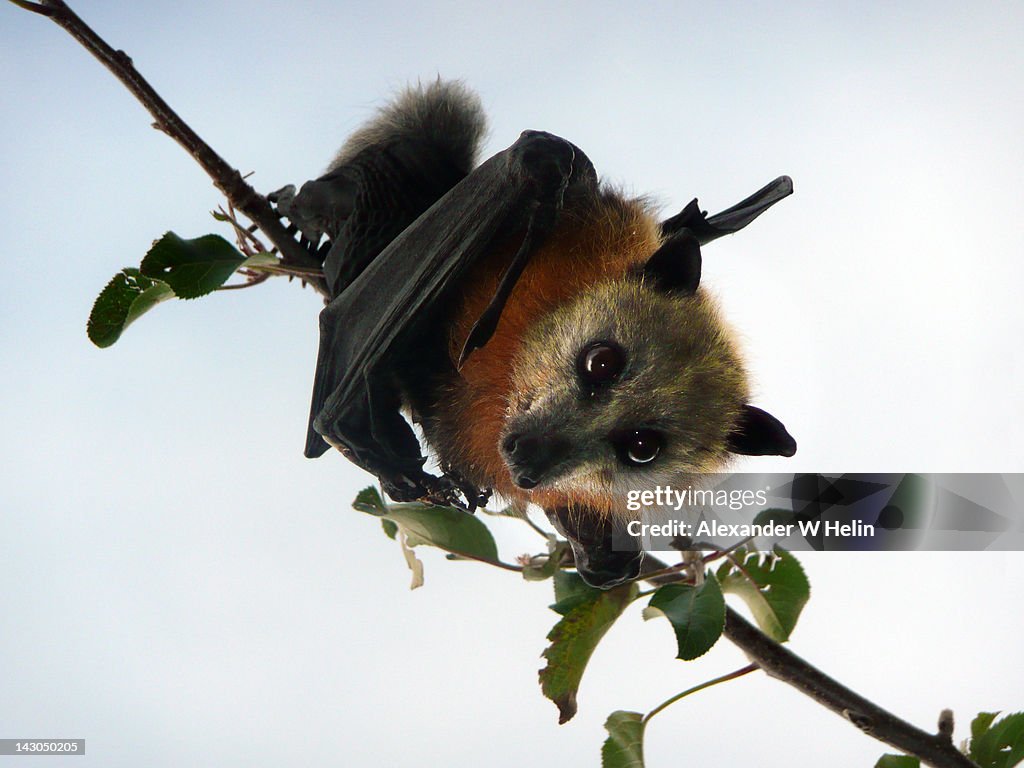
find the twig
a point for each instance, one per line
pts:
(39, 8)
(227, 179)
(933, 749)
(246, 238)
(936, 750)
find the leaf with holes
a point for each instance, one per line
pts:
(981, 723)
(624, 747)
(772, 584)
(587, 614)
(192, 268)
(999, 744)
(126, 297)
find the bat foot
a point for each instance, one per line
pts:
(447, 491)
(475, 497)
(402, 488)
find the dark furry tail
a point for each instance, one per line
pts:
(444, 118)
(387, 174)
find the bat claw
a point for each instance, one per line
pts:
(451, 490)
(444, 491)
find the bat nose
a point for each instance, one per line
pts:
(531, 456)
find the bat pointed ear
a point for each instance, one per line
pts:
(675, 266)
(758, 433)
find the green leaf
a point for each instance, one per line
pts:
(624, 747)
(449, 529)
(192, 268)
(587, 616)
(697, 615)
(981, 723)
(545, 567)
(570, 591)
(545, 570)
(390, 527)
(258, 260)
(126, 297)
(998, 745)
(898, 761)
(775, 515)
(773, 585)
(369, 501)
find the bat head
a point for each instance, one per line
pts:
(634, 384)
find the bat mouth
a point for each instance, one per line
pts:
(603, 558)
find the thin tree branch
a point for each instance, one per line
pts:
(936, 750)
(779, 662)
(227, 179)
(39, 8)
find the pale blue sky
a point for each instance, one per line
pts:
(180, 586)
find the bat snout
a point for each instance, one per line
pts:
(533, 457)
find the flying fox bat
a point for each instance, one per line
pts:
(547, 333)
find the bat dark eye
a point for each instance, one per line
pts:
(637, 447)
(600, 363)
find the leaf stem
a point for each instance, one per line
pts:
(706, 684)
(495, 563)
(256, 279)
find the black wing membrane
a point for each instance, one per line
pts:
(363, 331)
(390, 188)
(733, 219)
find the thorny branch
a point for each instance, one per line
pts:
(227, 179)
(933, 749)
